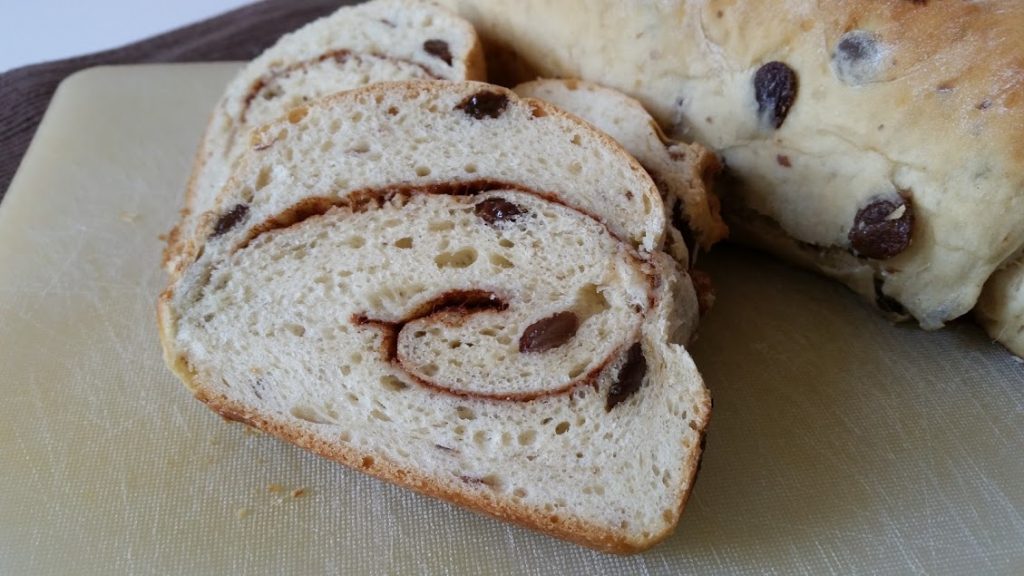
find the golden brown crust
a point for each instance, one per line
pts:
(174, 250)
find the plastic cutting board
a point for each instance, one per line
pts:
(839, 443)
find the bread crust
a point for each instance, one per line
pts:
(180, 238)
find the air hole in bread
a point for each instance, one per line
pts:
(480, 437)
(393, 111)
(519, 493)
(352, 398)
(360, 147)
(576, 140)
(463, 258)
(562, 428)
(345, 437)
(366, 462)
(356, 358)
(380, 415)
(527, 437)
(429, 369)
(403, 243)
(500, 261)
(297, 115)
(422, 171)
(392, 383)
(470, 168)
(506, 243)
(576, 168)
(356, 242)
(440, 226)
(577, 370)
(308, 414)
(345, 370)
(296, 329)
(465, 413)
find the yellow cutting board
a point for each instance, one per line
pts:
(839, 443)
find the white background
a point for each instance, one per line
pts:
(39, 30)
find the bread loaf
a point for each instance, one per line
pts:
(877, 142)
(372, 42)
(459, 291)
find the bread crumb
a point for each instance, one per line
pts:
(299, 492)
(244, 512)
(128, 217)
(275, 488)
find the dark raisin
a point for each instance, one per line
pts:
(857, 58)
(438, 48)
(548, 333)
(775, 87)
(883, 228)
(887, 303)
(495, 209)
(783, 161)
(230, 219)
(484, 103)
(631, 376)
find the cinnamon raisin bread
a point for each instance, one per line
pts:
(459, 291)
(372, 42)
(878, 142)
(683, 172)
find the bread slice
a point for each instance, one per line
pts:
(377, 41)
(459, 291)
(683, 172)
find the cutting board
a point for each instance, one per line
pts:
(839, 443)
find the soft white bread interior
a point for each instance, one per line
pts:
(376, 41)
(683, 172)
(459, 291)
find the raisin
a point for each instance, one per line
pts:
(883, 228)
(857, 58)
(631, 376)
(484, 103)
(548, 333)
(775, 87)
(230, 219)
(493, 210)
(438, 48)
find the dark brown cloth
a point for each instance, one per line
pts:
(237, 35)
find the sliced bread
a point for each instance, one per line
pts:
(683, 172)
(459, 291)
(377, 41)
